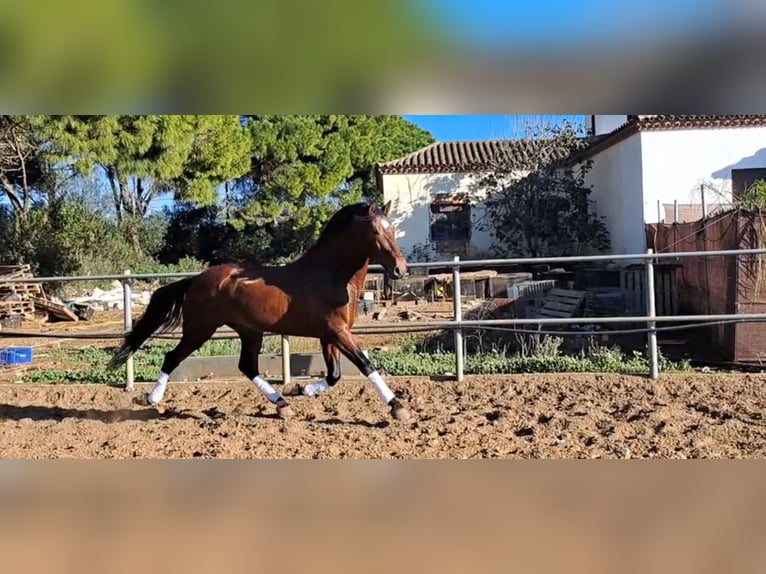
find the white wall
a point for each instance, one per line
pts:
(629, 177)
(676, 162)
(410, 196)
(616, 179)
(608, 123)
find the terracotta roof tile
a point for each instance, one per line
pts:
(470, 156)
(462, 156)
(656, 122)
(670, 122)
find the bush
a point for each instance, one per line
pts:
(603, 360)
(147, 363)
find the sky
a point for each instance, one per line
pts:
(558, 23)
(477, 127)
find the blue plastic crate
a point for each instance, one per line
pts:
(15, 355)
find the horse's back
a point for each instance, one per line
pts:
(217, 274)
(289, 299)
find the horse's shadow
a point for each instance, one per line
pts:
(58, 414)
(47, 413)
(324, 422)
(351, 423)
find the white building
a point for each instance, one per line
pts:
(644, 169)
(643, 165)
(436, 200)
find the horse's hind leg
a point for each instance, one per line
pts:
(331, 355)
(191, 340)
(252, 340)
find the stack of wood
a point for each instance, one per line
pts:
(560, 304)
(473, 284)
(20, 299)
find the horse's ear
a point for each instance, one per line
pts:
(387, 208)
(373, 208)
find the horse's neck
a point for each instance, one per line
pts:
(351, 272)
(343, 258)
(357, 279)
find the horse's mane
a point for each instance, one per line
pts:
(341, 219)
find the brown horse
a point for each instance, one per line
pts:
(317, 296)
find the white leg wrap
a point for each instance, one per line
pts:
(159, 388)
(268, 391)
(381, 386)
(315, 388)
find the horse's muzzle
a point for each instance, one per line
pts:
(398, 271)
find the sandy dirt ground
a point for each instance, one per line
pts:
(557, 416)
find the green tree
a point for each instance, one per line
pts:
(754, 198)
(305, 167)
(144, 156)
(22, 170)
(386, 138)
(538, 202)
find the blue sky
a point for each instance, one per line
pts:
(478, 127)
(558, 23)
(445, 128)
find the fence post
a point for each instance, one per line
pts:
(458, 316)
(285, 359)
(127, 300)
(702, 200)
(651, 311)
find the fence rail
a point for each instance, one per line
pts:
(457, 324)
(456, 263)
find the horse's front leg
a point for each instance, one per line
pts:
(344, 341)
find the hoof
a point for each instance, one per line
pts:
(292, 390)
(399, 412)
(142, 400)
(284, 410)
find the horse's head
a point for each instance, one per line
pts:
(382, 237)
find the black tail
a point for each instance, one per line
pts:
(162, 315)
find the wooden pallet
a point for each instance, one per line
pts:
(23, 289)
(24, 308)
(15, 271)
(666, 289)
(23, 295)
(560, 304)
(57, 310)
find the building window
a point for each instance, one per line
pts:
(742, 179)
(450, 221)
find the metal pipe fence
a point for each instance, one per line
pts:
(457, 324)
(457, 262)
